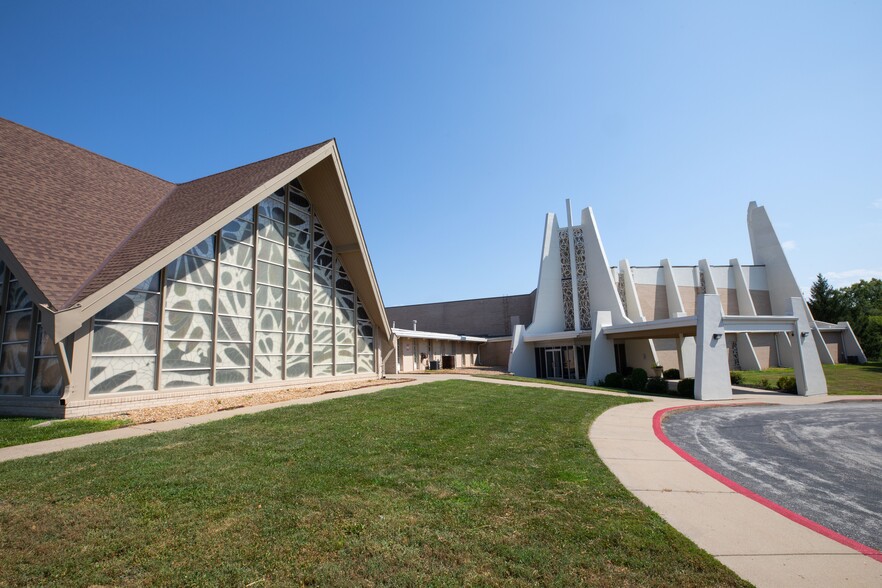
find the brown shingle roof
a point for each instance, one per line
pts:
(76, 221)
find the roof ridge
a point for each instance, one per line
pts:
(319, 144)
(89, 151)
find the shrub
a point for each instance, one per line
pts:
(657, 385)
(787, 384)
(735, 378)
(672, 374)
(764, 383)
(628, 384)
(626, 371)
(614, 380)
(638, 379)
(686, 387)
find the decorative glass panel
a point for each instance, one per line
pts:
(45, 346)
(345, 368)
(322, 354)
(205, 248)
(297, 199)
(366, 330)
(298, 344)
(187, 325)
(270, 274)
(140, 307)
(271, 251)
(298, 322)
(298, 280)
(324, 315)
(323, 296)
(365, 363)
(191, 269)
(225, 376)
(321, 243)
(346, 337)
(346, 301)
(299, 259)
(298, 219)
(235, 303)
(151, 284)
(269, 296)
(122, 374)
(345, 318)
(230, 328)
(181, 296)
(184, 379)
(345, 354)
(319, 371)
(271, 230)
(362, 313)
(234, 253)
(299, 303)
(18, 299)
(235, 278)
(298, 366)
(185, 355)
(324, 276)
(18, 326)
(269, 343)
(124, 338)
(322, 334)
(12, 385)
(272, 208)
(365, 345)
(268, 367)
(269, 320)
(233, 354)
(14, 359)
(239, 230)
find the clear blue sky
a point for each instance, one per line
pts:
(462, 123)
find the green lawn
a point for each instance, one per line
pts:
(841, 378)
(445, 484)
(19, 430)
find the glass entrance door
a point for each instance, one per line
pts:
(553, 362)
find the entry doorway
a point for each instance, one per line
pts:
(553, 363)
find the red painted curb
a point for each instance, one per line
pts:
(796, 518)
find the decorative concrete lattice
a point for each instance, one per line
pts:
(582, 279)
(735, 360)
(703, 285)
(622, 296)
(566, 280)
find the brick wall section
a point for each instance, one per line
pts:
(480, 317)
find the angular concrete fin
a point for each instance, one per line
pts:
(604, 293)
(548, 310)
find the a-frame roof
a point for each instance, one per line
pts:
(79, 229)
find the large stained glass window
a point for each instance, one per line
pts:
(264, 299)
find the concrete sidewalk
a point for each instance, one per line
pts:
(757, 543)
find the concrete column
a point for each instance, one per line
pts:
(522, 358)
(685, 345)
(712, 357)
(810, 379)
(79, 365)
(850, 343)
(746, 353)
(602, 359)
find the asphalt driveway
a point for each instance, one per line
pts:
(823, 461)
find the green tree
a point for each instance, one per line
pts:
(826, 303)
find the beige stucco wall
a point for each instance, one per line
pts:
(688, 295)
(833, 341)
(764, 347)
(653, 301)
(666, 350)
(729, 300)
(761, 301)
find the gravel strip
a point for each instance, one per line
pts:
(171, 412)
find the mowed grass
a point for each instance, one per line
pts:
(442, 484)
(841, 378)
(19, 430)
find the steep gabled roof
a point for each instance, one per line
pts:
(79, 229)
(64, 210)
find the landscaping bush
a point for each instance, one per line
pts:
(614, 380)
(686, 387)
(736, 378)
(764, 383)
(787, 384)
(672, 374)
(638, 379)
(657, 385)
